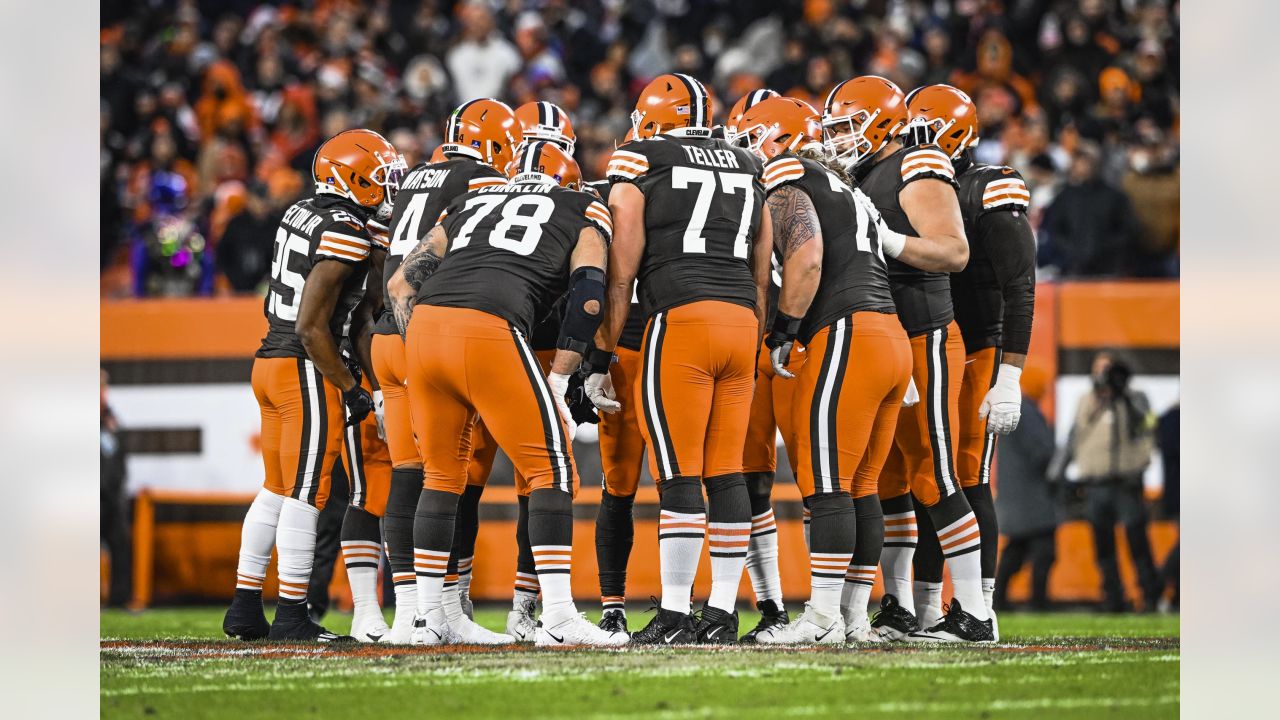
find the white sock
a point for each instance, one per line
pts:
(524, 594)
(257, 538)
(762, 558)
(362, 558)
(989, 592)
(296, 545)
(406, 599)
(961, 547)
(429, 566)
(553, 563)
(826, 581)
(928, 605)
(728, 545)
(680, 538)
(900, 536)
(856, 593)
(464, 577)
(451, 601)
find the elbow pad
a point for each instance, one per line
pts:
(578, 329)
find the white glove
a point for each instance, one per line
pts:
(779, 356)
(380, 414)
(600, 392)
(559, 386)
(913, 395)
(891, 241)
(1002, 407)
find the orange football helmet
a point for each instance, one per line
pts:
(484, 129)
(779, 124)
(671, 101)
(546, 121)
(543, 161)
(746, 102)
(942, 115)
(860, 117)
(359, 165)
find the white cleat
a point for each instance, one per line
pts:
(468, 607)
(467, 632)
(370, 628)
(432, 629)
(401, 632)
(995, 625)
(810, 628)
(575, 630)
(521, 624)
(861, 631)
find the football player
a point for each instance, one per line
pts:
(914, 190)
(302, 384)
(994, 299)
(835, 298)
(770, 412)
(477, 282)
(688, 209)
(479, 136)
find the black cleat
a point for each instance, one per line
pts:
(668, 627)
(956, 626)
(614, 621)
(893, 622)
(716, 627)
(771, 615)
(245, 619)
(294, 624)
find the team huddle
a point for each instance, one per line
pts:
(849, 279)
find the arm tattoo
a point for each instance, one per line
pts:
(795, 222)
(417, 266)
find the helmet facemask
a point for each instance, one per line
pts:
(931, 131)
(845, 139)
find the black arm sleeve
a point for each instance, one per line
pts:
(1012, 248)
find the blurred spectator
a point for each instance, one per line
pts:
(1090, 229)
(1111, 444)
(114, 503)
(1025, 502)
(1169, 442)
(240, 91)
(244, 253)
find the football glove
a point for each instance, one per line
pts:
(559, 389)
(380, 414)
(913, 394)
(597, 382)
(359, 404)
(891, 241)
(779, 342)
(1002, 407)
(580, 406)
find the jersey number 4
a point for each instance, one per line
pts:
(286, 285)
(682, 178)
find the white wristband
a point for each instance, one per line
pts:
(1009, 376)
(891, 241)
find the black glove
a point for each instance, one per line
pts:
(580, 406)
(359, 403)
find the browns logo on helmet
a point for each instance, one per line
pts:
(944, 116)
(483, 129)
(779, 124)
(359, 165)
(860, 117)
(547, 121)
(671, 101)
(732, 126)
(544, 161)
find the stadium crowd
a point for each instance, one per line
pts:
(201, 150)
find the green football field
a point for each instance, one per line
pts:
(174, 663)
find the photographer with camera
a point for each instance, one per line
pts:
(1111, 443)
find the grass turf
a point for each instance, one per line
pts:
(175, 663)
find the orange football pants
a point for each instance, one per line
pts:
(302, 418)
(695, 388)
(976, 445)
(464, 364)
(771, 405)
(484, 449)
(368, 462)
(621, 442)
(846, 404)
(928, 429)
(389, 367)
